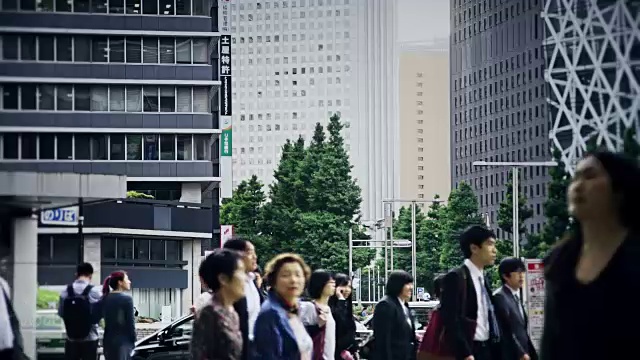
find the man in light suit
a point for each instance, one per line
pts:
(516, 343)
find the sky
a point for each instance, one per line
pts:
(423, 20)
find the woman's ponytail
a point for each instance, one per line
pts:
(106, 289)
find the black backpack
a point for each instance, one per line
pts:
(77, 313)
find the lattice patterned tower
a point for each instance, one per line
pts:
(593, 71)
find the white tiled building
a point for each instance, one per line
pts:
(296, 63)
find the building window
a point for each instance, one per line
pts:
(134, 147)
(128, 251)
(59, 250)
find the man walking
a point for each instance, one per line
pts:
(516, 344)
(78, 308)
(466, 308)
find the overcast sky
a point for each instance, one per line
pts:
(422, 20)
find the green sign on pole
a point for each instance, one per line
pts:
(226, 142)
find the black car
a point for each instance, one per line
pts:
(168, 343)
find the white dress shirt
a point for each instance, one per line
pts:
(253, 301)
(482, 322)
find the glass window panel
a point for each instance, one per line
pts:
(99, 147)
(10, 96)
(46, 150)
(183, 51)
(108, 248)
(10, 145)
(202, 147)
(167, 8)
(134, 50)
(167, 99)
(134, 7)
(117, 147)
(200, 100)
(151, 147)
(167, 147)
(63, 48)
(63, 6)
(82, 98)
(116, 6)
(64, 97)
(200, 7)
(45, 48)
(134, 98)
(134, 147)
(184, 147)
(83, 146)
(157, 250)
(116, 49)
(99, 49)
(184, 99)
(44, 248)
(67, 249)
(150, 7)
(167, 51)
(28, 47)
(183, 7)
(28, 5)
(99, 98)
(65, 146)
(29, 145)
(10, 47)
(99, 6)
(47, 97)
(81, 6)
(142, 249)
(174, 249)
(125, 249)
(28, 96)
(116, 98)
(82, 48)
(44, 5)
(10, 5)
(200, 51)
(150, 98)
(150, 50)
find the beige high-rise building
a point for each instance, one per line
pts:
(424, 121)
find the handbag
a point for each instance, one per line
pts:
(434, 344)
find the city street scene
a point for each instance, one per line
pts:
(319, 179)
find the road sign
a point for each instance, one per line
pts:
(420, 293)
(61, 216)
(401, 243)
(534, 291)
(226, 233)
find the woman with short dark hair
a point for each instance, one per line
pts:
(316, 315)
(393, 326)
(341, 305)
(216, 328)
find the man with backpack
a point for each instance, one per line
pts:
(79, 310)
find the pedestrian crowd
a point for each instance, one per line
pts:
(289, 312)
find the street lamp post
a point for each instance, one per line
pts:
(515, 180)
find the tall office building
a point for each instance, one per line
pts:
(498, 108)
(424, 121)
(593, 70)
(300, 61)
(123, 88)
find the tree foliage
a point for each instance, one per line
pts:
(505, 212)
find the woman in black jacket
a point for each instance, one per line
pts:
(342, 309)
(592, 287)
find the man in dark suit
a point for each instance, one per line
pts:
(393, 324)
(513, 320)
(249, 306)
(471, 327)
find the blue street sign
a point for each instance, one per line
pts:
(62, 216)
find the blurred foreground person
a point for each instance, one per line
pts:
(342, 310)
(11, 346)
(393, 325)
(592, 286)
(216, 328)
(279, 331)
(119, 321)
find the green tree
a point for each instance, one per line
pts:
(462, 212)
(402, 231)
(504, 249)
(631, 146)
(429, 246)
(505, 213)
(243, 209)
(555, 209)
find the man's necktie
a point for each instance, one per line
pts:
(519, 303)
(493, 322)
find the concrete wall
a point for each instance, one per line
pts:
(191, 253)
(92, 254)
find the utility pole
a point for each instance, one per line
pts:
(414, 254)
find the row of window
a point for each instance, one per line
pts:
(116, 98)
(131, 7)
(106, 49)
(114, 147)
(122, 249)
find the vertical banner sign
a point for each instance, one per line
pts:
(226, 101)
(534, 289)
(226, 233)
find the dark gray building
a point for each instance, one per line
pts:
(498, 106)
(121, 87)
